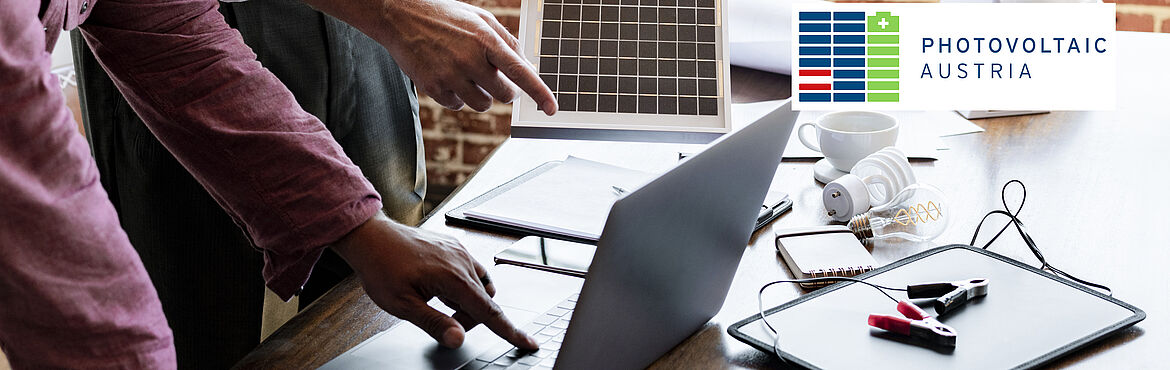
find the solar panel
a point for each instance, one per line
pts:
(654, 65)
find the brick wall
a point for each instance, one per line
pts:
(457, 142)
(1143, 15)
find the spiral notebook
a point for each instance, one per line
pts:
(823, 251)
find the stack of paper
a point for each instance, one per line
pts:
(571, 199)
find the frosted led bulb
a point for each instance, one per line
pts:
(917, 213)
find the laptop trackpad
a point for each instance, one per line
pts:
(408, 347)
(522, 293)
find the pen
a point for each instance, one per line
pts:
(619, 190)
(765, 213)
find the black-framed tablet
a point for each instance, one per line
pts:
(1028, 317)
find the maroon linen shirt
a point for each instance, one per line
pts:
(73, 292)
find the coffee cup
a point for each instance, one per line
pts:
(847, 137)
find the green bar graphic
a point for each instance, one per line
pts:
(882, 22)
(882, 62)
(883, 85)
(883, 97)
(883, 39)
(882, 73)
(883, 50)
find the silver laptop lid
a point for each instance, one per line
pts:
(670, 249)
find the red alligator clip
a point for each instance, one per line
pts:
(919, 326)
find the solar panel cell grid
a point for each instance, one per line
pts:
(631, 56)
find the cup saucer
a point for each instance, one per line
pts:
(824, 172)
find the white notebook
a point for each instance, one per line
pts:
(571, 199)
(823, 251)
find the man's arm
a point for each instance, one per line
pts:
(73, 293)
(457, 53)
(273, 167)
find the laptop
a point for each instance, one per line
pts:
(664, 263)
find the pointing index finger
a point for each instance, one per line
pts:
(476, 303)
(523, 74)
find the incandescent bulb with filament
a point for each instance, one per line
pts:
(917, 213)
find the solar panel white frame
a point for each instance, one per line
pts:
(526, 115)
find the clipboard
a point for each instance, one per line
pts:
(1028, 318)
(457, 217)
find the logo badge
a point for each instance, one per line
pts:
(848, 57)
(948, 56)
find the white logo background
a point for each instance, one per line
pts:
(1059, 81)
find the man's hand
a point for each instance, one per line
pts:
(456, 53)
(402, 268)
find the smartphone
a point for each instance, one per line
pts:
(559, 256)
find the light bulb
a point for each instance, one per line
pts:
(917, 213)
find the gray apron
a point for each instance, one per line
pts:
(206, 272)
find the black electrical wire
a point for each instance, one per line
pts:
(764, 318)
(760, 295)
(1015, 220)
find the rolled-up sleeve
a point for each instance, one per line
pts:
(275, 168)
(73, 293)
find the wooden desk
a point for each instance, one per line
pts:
(1096, 206)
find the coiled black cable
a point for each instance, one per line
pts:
(1014, 220)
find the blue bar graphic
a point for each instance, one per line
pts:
(849, 97)
(843, 62)
(845, 39)
(816, 50)
(816, 27)
(848, 50)
(848, 73)
(819, 39)
(848, 85)
(814, 16)
(848, 16)
(842, 27)
(814, 97)
(819, 62)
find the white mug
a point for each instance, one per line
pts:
(847, 137)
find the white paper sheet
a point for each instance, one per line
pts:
(571, 199)
(743, 114)
(942, 123)
(760, 32)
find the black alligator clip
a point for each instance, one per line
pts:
(950, 295)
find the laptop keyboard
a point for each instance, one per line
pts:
(548, 330)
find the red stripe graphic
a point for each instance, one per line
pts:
(816, 86)
(816, 72)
